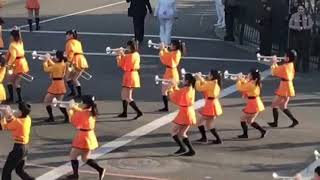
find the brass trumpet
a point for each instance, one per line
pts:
(269, 58)
(65, 104)
(233, 77)
(184, 72)
(163, 81)
(41, 57)
(154, 45)
(110, 51)
(276, 176)
(25, 76)
(84, 74)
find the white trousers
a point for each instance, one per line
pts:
(220, 12)
(165, 30)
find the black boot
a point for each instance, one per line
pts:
(125, 108)
(293, 119)
(244, 127)
(203, 138)
(10, 91)
(30, 25)
(19, 94)
(65, 114)
(37, 24)
(92, 163)
(71, 87)
(75, 168)
(191, 152)
(275, 118)
(181, 149)
(49, 110)
(257, 126)
(216, 135)
(165, 102)
(79, 91)
(135, 107)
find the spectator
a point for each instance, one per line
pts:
(265, 27)
(231, 11)
(1, 39)
(166, 11)
(220, 13)
(138, 11)
(300, 25)
(33, 6)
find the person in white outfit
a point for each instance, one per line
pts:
(166, 11)
(220, 13)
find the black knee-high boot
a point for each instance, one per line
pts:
(257, 126)
(124, 108)
(75, 168)
(92, 163)
(37, 24)
(216, 135)
(202, 131)
(135, 107)
(275, 118)
(79, 91)
(10, 91)
(165, 102)
(65, 114)
(19, 94)
(71, 87)
(244, 127)
(30, 25)
(191, 151)
(181, 149)
(293, 119)
(49, 110)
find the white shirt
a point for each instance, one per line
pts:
(166, 9)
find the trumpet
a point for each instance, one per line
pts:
(110, 51)
(184, 72)
(24, 76)
(56, 102)
(157, 79)
(7, 108)
(234, 77)
(41, 57)
(84, 74)
(155, 45)
(316, 154)
(276, 176)
(269, 58)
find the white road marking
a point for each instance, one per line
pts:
(119, 35)
(127, 138)
(76, 13)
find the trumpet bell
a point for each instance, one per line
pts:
(150, 43)
(34, 54)
(183, 71)
(275, 175)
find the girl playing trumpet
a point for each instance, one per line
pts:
(286, 73)
(77, 62)
(170, 58)
(3, 71)
(129, 62)
(57, 69)
(210, 87)
(251, 87)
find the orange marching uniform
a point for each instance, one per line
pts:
(184, 98)
(20, 129)
(130, 64)
(171, 60)
(1, 39)
(252, 94)
(16, 59)
(211, 92)
(75, 55)
(32, 4)
(2, 90)
(57, 73)
(286, 73)
(84, 122)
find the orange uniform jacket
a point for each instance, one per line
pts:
(184, 98)
(171, 60)
(252, 92)
(57, 73)
(32, 4)
(286, 73)
(84, 122)
(20, 129)
(130, 64)
(75, 55)
(16, 59)
(2, 90)
(1, 39)
(211, 92)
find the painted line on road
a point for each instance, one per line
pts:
(119, 34)
(134, 135)
(76, 13)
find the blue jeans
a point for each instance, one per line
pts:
(165, 30)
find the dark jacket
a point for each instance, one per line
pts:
(139, 7)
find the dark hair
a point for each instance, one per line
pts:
(133, 45)
(60, 56)
(191, 80)
(1, 21)
(73, 32)
(25, 109)
(255, 73)
(179, 45)
(292, 55)
(317, 170)
(216, 75)
(2, 60)
(16, 35)
(89, 100)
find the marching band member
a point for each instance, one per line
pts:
(57, 69)
(251, 87)
(76, 60)
(170, 59)
(20, 128)
(212, 108)
(83, 117)
(1, 39)
(129, 62)
(17, 63)
(33, 6)
(184, 98)
(3, 71)
(286, 90)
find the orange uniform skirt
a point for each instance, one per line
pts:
(85, 140)
(20, 66)
(254, 105)
(171, 73)
(80, 61)
(2, 93)
(211, 108)
(32, 4)
(186, 116)
(286, 89)
(57, 87)
(131, 79)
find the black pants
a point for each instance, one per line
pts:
(301, 43)
(266, 41)
(16, 160)
(230, 13)
(138, 25)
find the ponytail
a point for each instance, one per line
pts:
(217, 75)
(179, 45)
(94, 110)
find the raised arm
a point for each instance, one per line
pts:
(147, 2)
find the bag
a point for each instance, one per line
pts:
(130, 12)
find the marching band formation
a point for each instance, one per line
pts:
(67, 67)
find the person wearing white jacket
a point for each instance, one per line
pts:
(166, 11)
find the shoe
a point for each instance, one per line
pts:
(72, 176)
(122, 115)
(222, 27)
(294, 123)
(243, 136)
(272, 124)
(216, 142)
(202, 140)
(180, 151)
(217, 25)
(163, 110)
(102, 173)
(189, 153)
(49, 120)
(139, 114)
(263, 134)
